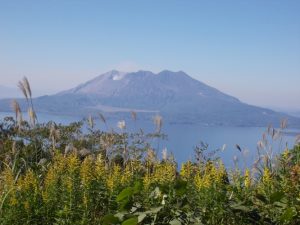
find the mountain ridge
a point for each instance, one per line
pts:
(114, 82)
(175, 95)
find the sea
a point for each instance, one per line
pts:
(236, 146)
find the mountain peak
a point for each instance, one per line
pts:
(141, 72)
(163, 87)
(173, 72)
(111, 73)
(175, 95)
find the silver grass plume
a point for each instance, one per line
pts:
(269, 130)
(54, 134)
(297, 141)
(158, 123)
(32, 116)
(91, 122)
(27, 87)
(122, 124)
(18, 113)
(150, 156)
(16, 107)
(283, 124)
(165, 154)
(14, 149)
(133, 115)
(102, 118)
(23, 89)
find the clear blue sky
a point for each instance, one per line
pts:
(249, 49)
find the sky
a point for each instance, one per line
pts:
(248, 49)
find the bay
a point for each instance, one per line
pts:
(182, 138)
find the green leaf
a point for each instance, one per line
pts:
(180, 187)
(276, 197)
(137, 187)
(125, 204)
(241, 207)
(280, 205)
(110, 219)
(261, 198)
(125, 193)
(288, 215)
(175, 222)
(131, 221)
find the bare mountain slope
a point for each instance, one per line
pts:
(176, 95)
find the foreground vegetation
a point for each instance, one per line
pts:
(55, 174)
(58, 174)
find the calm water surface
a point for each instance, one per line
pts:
(182, 138)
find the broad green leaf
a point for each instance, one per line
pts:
(109, 220)
(125, 193)
(131, 221)
(125, 204)
(276, 197)
(288, 215)
(137, 187)
(261, 198)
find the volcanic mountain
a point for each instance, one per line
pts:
(175, 95)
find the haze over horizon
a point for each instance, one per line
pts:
(250, 50)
